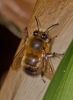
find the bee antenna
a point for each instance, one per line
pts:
(50, 27)
(37, 22)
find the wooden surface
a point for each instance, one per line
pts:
(15, 14)
(18, 85)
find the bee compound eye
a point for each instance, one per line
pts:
(44, 36)
(35, 33)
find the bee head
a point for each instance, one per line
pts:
(42, 35)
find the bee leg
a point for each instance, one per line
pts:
(25, 35)
(57, 54)
(54, 54)
(43, 69)
(42, 74)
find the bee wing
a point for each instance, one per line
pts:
(17, 59)
(49, 70)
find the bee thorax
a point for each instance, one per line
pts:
(36, 44)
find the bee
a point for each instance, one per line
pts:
(35, 56)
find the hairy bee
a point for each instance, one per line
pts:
(34, 57)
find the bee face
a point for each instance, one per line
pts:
(36, 54)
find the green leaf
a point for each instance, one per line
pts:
(61, 86)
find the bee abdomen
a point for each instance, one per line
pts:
(30, 65)
(31, 70)
(31, 61)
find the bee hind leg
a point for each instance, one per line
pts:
(42, 76)
(43, 69)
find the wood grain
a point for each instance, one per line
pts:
(18, 85)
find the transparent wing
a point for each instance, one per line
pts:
(17, 59)
(49, 72)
